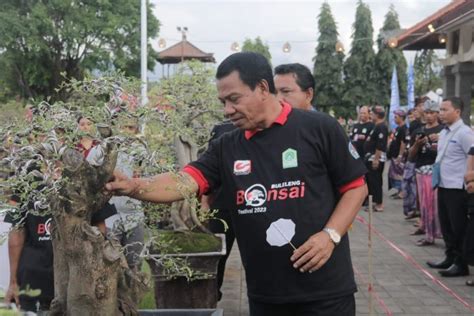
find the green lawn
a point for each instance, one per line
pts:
(148, 301)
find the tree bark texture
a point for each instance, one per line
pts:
(90, 272)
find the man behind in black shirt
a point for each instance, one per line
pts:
(375, 156)
(396, 152)
(361, 130)
(294, 84)
(297, 185)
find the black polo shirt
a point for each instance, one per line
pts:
(399, 137)
(427, 153)
(286, 176)
(377, 140)
(35, 267)
(359, 135)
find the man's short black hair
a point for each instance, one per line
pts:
(304, 78)
(379, 111)
(252, 68)
(456, 102)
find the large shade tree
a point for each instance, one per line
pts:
(44, 42)
(327, 63)
(359, 75)
(387, 57)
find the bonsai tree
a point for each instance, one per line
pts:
(90, 271)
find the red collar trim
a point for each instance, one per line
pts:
(281, 120)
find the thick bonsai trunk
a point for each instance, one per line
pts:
(91, 274)
(183, 214)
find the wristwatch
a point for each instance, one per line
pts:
(333, 234)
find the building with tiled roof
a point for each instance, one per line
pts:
(450, 28)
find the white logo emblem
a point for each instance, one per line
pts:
(364, 130)
(47, 226)
(381, 135)
(353, 151)
(256, 195)
(242, 167)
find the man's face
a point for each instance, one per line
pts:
(244, 107)
(399, 119)
(431, 117)
(419, 111)
(289, 91)
(448, 114)
(364, 114)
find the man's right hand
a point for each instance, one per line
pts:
(12, 294)
(120, 184)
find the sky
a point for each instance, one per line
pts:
(213, 25)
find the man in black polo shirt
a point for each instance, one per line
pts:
(297, 184)
(361, 130)
(396, 153)
(375, 156)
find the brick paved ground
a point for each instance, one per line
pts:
(402, 282)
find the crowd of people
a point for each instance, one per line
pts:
(428, 153)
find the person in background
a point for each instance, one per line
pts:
(361, 130)
(294, 84)
(423, 153)
(409, 192)
(455, 142)
(396, 154)
(375, 156)
(85, 146)
(128, 224)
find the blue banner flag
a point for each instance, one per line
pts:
(394, 99)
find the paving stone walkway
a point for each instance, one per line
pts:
(402, 283)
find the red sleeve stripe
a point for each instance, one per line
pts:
(352, 185)
(197, 175)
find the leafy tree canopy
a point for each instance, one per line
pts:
(327, 62)
(359, 67)
(386, 58)
(44, 42)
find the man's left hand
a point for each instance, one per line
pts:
(314, 253)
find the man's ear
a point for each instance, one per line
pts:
(263, 89)
(310, 94)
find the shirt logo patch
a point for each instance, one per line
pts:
(242, 167)
(364, 130)
(290, 158)
(256, 195)
(353, 151)
(381, 135)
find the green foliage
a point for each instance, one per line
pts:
(257, 46)
(188, 242)
(427, 70)
(188, 106)
(359, 75)
(41, 40)
(12, 111)
(327, 62)
(388, 57)
(148, 300)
